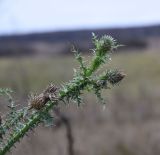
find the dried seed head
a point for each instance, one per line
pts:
(38, 101)
(115, 77)
(50, 89)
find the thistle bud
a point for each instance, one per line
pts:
(114, 77)
(105, 44)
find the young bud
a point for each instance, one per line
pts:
(105, 44)
(114, 77)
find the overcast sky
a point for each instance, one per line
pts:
(23, 16)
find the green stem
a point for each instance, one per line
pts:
(93, 67)
(35, 119)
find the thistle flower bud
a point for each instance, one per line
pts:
(114, 77)
(104, 44)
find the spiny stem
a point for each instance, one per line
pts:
(72, 90)
(35, 118)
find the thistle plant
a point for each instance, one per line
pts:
(18, 121)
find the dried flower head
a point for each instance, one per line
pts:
(51, 92)
(115, 77)
(38, 101)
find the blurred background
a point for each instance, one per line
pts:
(35, 41)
